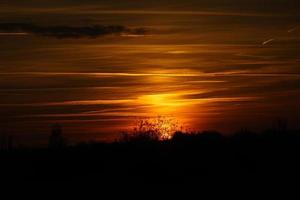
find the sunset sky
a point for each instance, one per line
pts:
(97, 66)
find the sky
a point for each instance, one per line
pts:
(95, 67)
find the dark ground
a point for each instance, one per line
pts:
(206, 158)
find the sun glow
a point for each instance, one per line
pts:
(162, 103)
(160, 127)
(170, 106)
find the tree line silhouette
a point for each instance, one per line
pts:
(142, 155)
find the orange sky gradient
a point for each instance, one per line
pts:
(209, 66)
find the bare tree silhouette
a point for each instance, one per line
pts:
(56, 139)
(152, 129)
(6, 142)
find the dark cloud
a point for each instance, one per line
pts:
(62, 32)
(245, 5)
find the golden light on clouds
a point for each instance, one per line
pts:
(162, 104)
(209, 69)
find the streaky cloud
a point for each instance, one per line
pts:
(241, 73)
(64, 32)
(268, 41)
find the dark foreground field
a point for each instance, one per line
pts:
(196, 158)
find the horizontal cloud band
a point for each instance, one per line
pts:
(62, 32)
